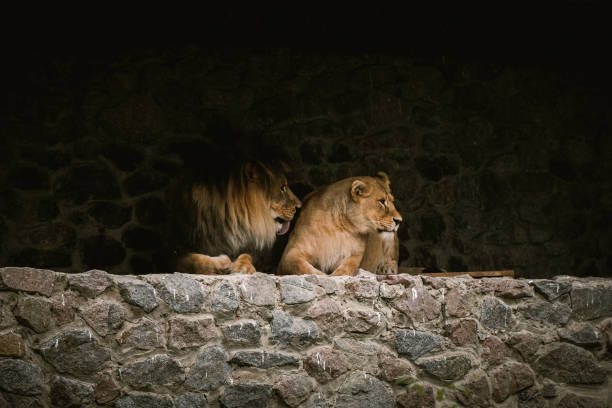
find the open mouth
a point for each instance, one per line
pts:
(282, 226)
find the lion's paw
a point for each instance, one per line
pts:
(204, 264)
(222, 261)
(242, 264)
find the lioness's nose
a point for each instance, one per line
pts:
(397, 220)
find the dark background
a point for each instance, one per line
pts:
(493, 122)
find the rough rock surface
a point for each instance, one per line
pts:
(210, 370)
(34, 312)
(289, 330)
(446, 367)
(65, 392)
(144, 399)
(296, 290)
(551, 289)
(414, 344)
(250, 394)
(29, 279)
(361, 389)
(75, 351)
(495, 314)
(90, 284)
(421, 396)
(182, 293)
(160, 369)
(571, 364)
(20, 377)
(477, 392)
(326, 364)
(243, 333)
(263, 359)
(191, 400)
(191, 331)
(309, 342)
(591, 302)
(294, 389)
(509, 379)
(140, 294)
(224, 299)
(105, 317)
(144, 334)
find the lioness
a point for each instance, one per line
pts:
(237, 215)
(331, 234)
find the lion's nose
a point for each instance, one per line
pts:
(397, 220)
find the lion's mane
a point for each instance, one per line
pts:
(231, 217)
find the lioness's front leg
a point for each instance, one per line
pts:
(296, 265)
(242, 264)
(387, 268)
(203, 264)
(349, 266)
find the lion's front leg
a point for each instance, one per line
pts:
(203, 264)
(243, 264)
(349, 266)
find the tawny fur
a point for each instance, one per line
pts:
(331, 233)
(238, 218)
(381, 254)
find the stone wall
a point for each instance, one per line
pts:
(95, 339)
(495, 163)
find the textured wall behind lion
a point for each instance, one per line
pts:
(494, 164)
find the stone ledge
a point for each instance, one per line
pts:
(304, 341)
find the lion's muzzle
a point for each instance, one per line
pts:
(282, 226)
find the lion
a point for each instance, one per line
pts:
(239, 215)
(331, 233)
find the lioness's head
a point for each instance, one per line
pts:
(373, 197)
(279, 198)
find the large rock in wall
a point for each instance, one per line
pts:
(95, 339)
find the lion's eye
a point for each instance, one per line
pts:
(383, 202)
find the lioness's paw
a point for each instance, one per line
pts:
(242, 264)
(388, 268)
(343, 272)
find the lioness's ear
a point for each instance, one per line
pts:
(384, 178)
(358, 190)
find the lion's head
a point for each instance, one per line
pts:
(373, 208)
(279, 197)
(246, 212)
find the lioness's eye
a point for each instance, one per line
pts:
(382, 201)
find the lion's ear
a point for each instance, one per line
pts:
(384, 178)
(252, 171)
(358, 190)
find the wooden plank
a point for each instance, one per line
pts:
(476, 274)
